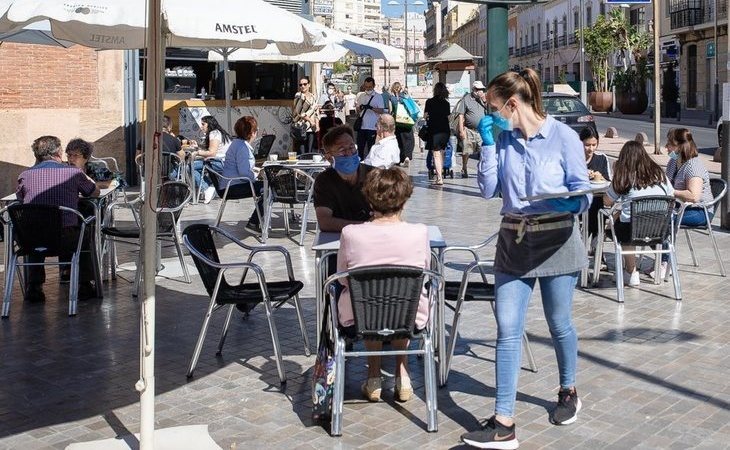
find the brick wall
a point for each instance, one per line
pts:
(74, 92)
(40, 76)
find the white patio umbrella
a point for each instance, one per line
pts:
(129, 24)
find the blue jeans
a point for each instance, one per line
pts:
(693, 217)
(512, 299)
(197, 169)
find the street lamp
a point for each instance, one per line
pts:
(405, 27)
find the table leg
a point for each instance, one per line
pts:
(318, 291)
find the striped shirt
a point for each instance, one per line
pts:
(54, 183)
(693, 168)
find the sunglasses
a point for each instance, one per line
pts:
(303, 84)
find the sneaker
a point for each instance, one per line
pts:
(662, 271)
(406, 162)
(632, 279)
(492, 435)
(253, 226)
(209, 193)
(371, 389)
(464, 174)
(566, 411)
(403, 389)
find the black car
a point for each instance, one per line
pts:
(569, 110)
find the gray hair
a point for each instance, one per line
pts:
(386, 123)
(46, 147)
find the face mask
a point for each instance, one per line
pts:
(347, 164)
(369, 92)
(673, 155)
(501, 122)
(330, 91)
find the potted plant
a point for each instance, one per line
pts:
(630, 80)
(599, 43)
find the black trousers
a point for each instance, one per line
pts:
(365, 140)
(306, 145)
(37, 274)
(406, 141)
(243, 190)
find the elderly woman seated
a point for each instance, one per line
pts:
(386, 239)
(78, 153)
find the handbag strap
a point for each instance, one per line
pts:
(362, 113)
(323, 334)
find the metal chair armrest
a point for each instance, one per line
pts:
(468, 248)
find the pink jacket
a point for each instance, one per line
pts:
(373, 243)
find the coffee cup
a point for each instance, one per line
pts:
(292, 156)
(273, 157)
(317, 158)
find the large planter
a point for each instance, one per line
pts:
(631, 102)
(601, 101)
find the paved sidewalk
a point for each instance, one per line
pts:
(652, 373)
(688, 118)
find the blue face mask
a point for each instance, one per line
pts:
(501, 122)
(673, 155)
(347, 164)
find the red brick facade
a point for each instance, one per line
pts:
(39, 76)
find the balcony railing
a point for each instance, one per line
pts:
(561, 41)
(546, 45)
(511, 51)
(571, 39)
(690, 13)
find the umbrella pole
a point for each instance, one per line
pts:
(226, 52)
(154, 105)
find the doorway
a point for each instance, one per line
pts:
(692, 76)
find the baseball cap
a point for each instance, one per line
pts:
(478, 85)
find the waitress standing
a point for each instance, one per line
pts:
(539, 241)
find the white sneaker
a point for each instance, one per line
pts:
(632, 279)
(209, 193)
(406, 162)
(662, 271)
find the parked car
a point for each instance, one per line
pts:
(569, 110)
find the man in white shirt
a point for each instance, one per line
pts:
(369, 106)
(385, 153)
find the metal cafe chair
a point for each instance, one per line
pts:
(38, 229)
(651, 226)
(172, 198)
(466, 290)
(198, 239)
(385, 302)
(289, 187)
(219, 180)
(718, 187)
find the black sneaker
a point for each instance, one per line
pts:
(492, 435)
(34, 293)
(253, 226)
(464, 174)
(566, 411)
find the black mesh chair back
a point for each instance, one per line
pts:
(169, 163)
(385, 301)
(651, 220)
(199, 237)
(37, 228)
(265, 144)
(172, 196)
(286, 186)
(718, 187)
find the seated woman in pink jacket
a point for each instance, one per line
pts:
(386, 239)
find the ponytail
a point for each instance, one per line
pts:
(526, 84)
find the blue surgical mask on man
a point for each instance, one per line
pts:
(347, 164)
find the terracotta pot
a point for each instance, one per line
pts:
(631, 102)
(601, 101)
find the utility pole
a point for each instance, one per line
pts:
(405, 30)
(583, 83)
(496, 39)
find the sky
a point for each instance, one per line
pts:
(397, 11)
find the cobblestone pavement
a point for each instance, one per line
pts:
(652, 373)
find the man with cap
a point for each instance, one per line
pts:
(471, 109)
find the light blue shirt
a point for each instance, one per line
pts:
(239, 161)
(550, 162)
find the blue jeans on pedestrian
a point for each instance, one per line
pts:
(512, 299)
(197, 168)
(692, 217)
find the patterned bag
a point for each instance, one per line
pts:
(323, 376)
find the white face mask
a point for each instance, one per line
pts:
(369, 92)
(330, 91)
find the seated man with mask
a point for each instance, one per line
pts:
(338, 197)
